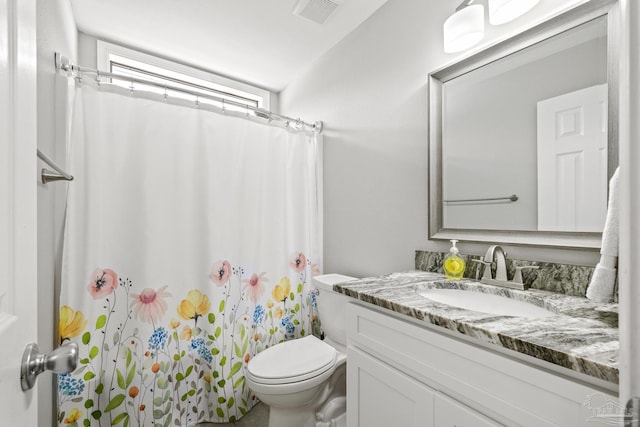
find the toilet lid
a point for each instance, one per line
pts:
(291, 361)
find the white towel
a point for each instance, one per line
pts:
(604, 276)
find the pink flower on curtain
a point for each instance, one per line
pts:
(315, 270)
(103, 283)
(220, 272)
(255, 287)
(150, 305)
(298, 262)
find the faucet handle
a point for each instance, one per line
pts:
(517, 278)
(487, 268)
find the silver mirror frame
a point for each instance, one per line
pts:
(563, 22)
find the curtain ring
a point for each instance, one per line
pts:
(79, 77)
(197, 101)
(98, 78)
(246, 107)
(166, 94)
(131, 87)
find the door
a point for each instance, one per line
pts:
(18, 311)
(572, 161)
(383, 396)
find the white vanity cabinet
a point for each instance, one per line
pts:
(400, 373)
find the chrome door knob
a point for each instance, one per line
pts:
(62, 360)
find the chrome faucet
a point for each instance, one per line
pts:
(496, 254)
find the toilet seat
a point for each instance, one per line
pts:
(292, 361)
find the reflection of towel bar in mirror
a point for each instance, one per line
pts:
(513, 198)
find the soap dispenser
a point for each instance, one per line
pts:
(453, 264)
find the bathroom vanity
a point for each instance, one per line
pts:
(413, 361)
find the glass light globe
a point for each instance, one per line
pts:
(464, 28)
(503, 11)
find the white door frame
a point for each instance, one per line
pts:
(629, 259)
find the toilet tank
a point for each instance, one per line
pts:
(332, 307)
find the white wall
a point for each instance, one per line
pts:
(370, 90)
(56, 32)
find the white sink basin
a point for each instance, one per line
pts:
(485, 303)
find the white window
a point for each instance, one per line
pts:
(120, 60)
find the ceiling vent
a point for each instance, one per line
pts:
(317, 11)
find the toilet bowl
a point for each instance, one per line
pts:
(303, 381)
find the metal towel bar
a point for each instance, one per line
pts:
(512, 198)
(57, 174)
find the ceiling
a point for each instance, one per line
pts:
(255, 41)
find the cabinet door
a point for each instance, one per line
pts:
(380, 396)
(450, 413)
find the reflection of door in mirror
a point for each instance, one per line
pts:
(572, 161)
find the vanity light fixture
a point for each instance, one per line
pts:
(464, 28)
(503, 11)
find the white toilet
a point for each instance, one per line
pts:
(303, 381)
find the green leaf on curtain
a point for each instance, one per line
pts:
(86, 422)
(130, 375)
(176, 357)
(88, 404)
(96, 415)
(115, 402)
(220, 412)
(86, 337)
(237, 349)
(89, 376)
(292, 296)
(101, 321)
(157, 414)
(118, 419)
(302, 332)
(242, 410)
(167, 421)
(216, 374)
(231, 402)
(158, 401)
(129, 356)
(116, 337)
(215, 351)
(212, 318)
(296, 322)
(179, 376)
(221, 400)
(191, 392)
(221, 308)
(238, 382)
(218, 331)
(297, 308)
(299, 288)
(84, 361)
(184, 397)
(99, 388)
(234, 370)
(243, 330)
(189, 370)
(120, 378)
(162, 383)
(244, 347)
(223, 361)
(221, 383)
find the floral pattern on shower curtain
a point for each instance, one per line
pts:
(190, 241)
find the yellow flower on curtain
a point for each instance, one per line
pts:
(187, 333)
(74, 415)
(195, 305)
(72, 323)
(281, 290)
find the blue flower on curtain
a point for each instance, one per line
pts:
(69, 386)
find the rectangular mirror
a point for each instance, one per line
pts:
(523, 135)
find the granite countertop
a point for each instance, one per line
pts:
(581, 335)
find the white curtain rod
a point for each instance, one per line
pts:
(63, 63)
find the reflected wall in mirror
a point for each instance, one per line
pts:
(523, 136)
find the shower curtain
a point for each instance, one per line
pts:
(190, 241)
